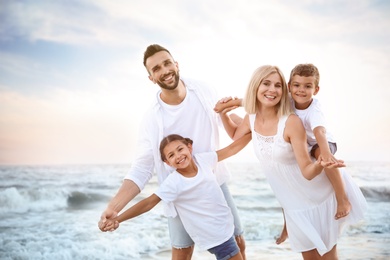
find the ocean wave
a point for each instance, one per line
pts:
(15, 200)
(77, 199)
(380, 193)
(21, 200)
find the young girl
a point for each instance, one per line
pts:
(300, 185)
(195, 194)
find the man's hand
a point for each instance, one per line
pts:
(108, 214)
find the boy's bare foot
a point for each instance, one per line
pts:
(283, 236)
(343, 208)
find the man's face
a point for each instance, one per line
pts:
(163, 70)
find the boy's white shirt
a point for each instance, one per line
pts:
(200, 203)
(152, 131)
(311, 118)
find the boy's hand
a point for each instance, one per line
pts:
(329, 157)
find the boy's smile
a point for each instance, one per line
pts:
(302, 90)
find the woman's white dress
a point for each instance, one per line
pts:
(309, 206)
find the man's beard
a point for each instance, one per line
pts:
(175, 84)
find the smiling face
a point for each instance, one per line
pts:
(177, 154)
(270, 90)
(163, 70)
(302, 90)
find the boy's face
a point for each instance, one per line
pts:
(178, 155)
(302, 90)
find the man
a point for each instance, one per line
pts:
(181, 107)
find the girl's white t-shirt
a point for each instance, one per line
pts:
(200, 203)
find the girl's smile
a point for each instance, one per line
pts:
(179, 156)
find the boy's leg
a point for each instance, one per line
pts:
(334, 176)
(182, 244)
(238, 231)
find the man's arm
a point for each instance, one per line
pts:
(125, 194)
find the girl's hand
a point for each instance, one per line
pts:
(111, 225)
(106, 215)
(227, 104)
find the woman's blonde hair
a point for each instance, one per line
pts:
(250, 103)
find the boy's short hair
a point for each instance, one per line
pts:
(306, 70)
(153, 49)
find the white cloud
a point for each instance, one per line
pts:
(98, 105)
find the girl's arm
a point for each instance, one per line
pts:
(234, 147)
(141, 207)
(296, 135)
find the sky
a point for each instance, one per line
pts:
(73, 88)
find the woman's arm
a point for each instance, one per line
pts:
(296, 135)
(141, 207)
(233, 129)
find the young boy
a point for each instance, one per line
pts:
(303, 86)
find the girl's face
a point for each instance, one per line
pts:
(270, 90)
(177, 154)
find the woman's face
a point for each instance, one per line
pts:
(270, 90)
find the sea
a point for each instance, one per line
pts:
(52, 212)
